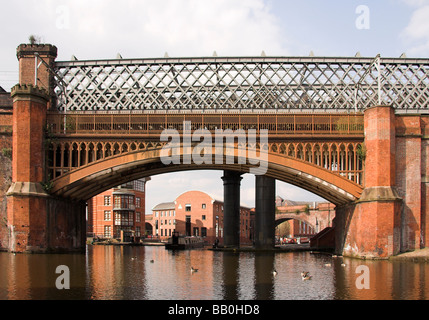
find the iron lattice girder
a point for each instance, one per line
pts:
(242, 84)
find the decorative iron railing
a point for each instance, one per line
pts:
(254, 84)
(152, 125)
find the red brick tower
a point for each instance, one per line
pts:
(26, 196)
(27, 199)
(37, 222)
(375, 221)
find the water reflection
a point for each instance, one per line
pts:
(264, 279)
(153, 273)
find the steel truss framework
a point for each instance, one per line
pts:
(254, 84)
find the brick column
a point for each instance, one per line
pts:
(409, 176)
(374, 224)
(37, 222)
(26, 197)
(425, 186)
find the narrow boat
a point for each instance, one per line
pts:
(177, 242)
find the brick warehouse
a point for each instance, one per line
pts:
(195, 213)
(119, 212)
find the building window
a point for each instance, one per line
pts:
(138, 232)
(138, 185)
(107, 231)
(156, 214)
(196, 231)
(203, 232)
(107, 215)
(203, 206)
(188, 208)
(124, 202)
(138, 217)
(203, 217)
(123, 218)
(117, 202)
(107, 200)
(138, 202)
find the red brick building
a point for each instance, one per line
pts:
(305, 218)
(195, 213)
(118, 209)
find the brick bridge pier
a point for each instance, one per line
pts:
(37, 221)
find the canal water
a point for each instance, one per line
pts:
(153, 273)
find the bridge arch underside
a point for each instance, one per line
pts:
(281, 220)
(85, 182)
(292, 216)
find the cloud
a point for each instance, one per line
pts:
(415, 3)
(416, 34)
(290, 192)
(100, 28)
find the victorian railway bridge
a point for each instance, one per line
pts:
(352, 130)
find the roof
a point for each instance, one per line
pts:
(287, 202)
(164, 206)
(213, 199)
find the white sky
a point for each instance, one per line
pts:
(99, 29)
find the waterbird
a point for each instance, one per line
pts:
(193, 269)
(305, 277)
(274, 272)
(304, 274)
